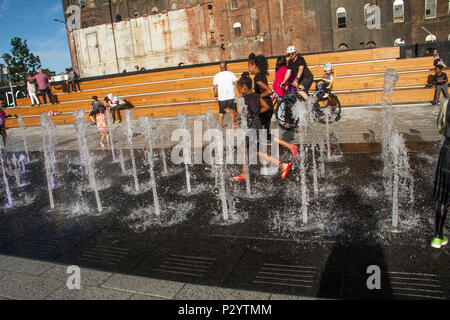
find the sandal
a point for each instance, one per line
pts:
(238, 178)
(285, 171)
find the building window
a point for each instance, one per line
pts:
(234, 4)
(341, 15)
(399, 42)
(118, 18)
(371, 44)
(136, 14)
(91, 3)
(189, 3)
(399, 11)
(174, 6)
(343, 46)
(237, 28)
(430, 38)
(430, 9)
(155, 10)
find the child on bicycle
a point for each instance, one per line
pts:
(256, 105)
(326, 81)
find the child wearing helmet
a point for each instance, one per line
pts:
(326, 80)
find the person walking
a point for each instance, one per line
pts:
(43, 82)
(224, 91)
(31, 88)
(441, 193)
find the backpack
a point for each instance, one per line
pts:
(441, 123)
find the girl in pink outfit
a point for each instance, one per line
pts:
(280, 72)
(101, 125)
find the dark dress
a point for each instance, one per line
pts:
(266, 116)
(441, 191)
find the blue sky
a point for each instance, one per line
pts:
(33, 20)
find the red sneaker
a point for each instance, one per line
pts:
(238, 178)
(285, 171)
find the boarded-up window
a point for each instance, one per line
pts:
(430, 9)
(237, 28)
(234, 4)
(341, 15)
(399, 11)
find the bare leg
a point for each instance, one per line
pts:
(282, 143)
(221, 115)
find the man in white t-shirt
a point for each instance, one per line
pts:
(224, 91)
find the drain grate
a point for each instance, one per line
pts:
(105, 254)
(416, 285)
(286, 275)
(186, 265)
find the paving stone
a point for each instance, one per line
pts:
(144, 297)
(196, 292)
(27, 287)
(88, 293)
(88, 276)
(154, 287)
(24, 265)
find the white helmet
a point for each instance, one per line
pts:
(327, 67)
(291, 49)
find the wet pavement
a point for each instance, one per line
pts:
(262, 251)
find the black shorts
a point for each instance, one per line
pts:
(307, 83)
(227, 104)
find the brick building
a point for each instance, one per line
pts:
(117, 35)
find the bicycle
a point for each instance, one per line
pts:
(325, 98)
(283, 106)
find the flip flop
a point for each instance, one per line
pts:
(294, 151)
(238, 178)
(285, 171)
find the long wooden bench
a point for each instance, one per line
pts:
(359, 78)
(315, 59)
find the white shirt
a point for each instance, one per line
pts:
(225, 85)
(31, 87)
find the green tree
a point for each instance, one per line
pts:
(23, 62)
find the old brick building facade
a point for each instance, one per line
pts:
(117, 35)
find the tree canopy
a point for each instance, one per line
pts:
(22, 62)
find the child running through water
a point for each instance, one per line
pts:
(101, 125)
(256, 105)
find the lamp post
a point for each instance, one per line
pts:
(7, 58)
(74, 46)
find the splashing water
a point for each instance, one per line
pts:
(88, 161)
(148, 133)
(397, 173)
(129, 134)
(47, 149)
(5, 180)
(111, 134)
(244, 124)
(186, 155)
(22, 130)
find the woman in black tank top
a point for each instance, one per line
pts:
(258, 66)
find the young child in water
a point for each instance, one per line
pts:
(256, 105)
(101, 125)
